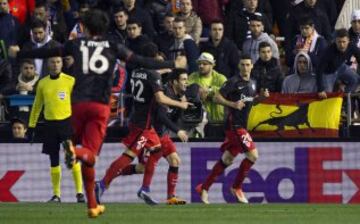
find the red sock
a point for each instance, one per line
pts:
(88, 173)
(216, 171)
(244, 168)
(116, 168)
(150, 168)
(172, 179)
(85, 155)
(129, 170)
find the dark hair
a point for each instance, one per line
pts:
(96, 21)
(306, 20)
(179, 19)
(263, 45)
(41, 3)
(149, 50)
(120, 9)
(257, 17)
(216, 21)
(340, 33)
(134, 21)
(245, 57)
(169, 14)
(27, 61)
(18, 120)
(175, 74)
(37, 23)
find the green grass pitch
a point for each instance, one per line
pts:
(65, 213)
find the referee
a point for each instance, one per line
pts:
(53, 93)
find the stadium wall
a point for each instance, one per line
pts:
(291, 172)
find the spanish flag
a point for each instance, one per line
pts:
(296, 116)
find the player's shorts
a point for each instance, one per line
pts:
(139, 138)
(237, 141)
(167, 145)
(54, 133)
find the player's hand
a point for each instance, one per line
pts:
(239, 105)
(185, 105)
(266, 93)
(322, 95)
(203, 92)
(164, 71)
(13, 50)
(180, 62)
(182, 135)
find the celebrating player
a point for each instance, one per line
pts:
(237, 95)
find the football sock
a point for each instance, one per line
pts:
(85, 155)
(244, 168)
(215, 172)
(77, 177)
(150, 168)
(88, 173)
(129, 170)
(55, 173)
(116, 168)
(172, 179)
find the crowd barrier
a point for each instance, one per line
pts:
(291, 172)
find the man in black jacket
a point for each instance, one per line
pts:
(224, 50)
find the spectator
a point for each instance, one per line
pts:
(237, 22)
(354, 31)
(208, 11)
(251, 45)
(18, 129)
(135, 39)
(184, 45)
(210, 81)
(25, 85)
(158, 9)
(40, 38)
(9, 28)
(311, 9)
(6, 79)
(21, 9)
(335, 65)
(138, 13)
(267, 71)
(280, 9)
(308, 41)
(303, 80)
(53, 17)
(165, 38)
(78, 30)
(193, 22)
(117, 31)
(224, 50)
(330, 9)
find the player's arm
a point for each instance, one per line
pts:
(220, 99)
(163, 99)
(36, 107)
(42, 52)
(127, 55)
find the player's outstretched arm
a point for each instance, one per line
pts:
(218, 98)
(163, 99)
(43, 52)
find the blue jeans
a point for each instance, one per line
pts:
(346, 75)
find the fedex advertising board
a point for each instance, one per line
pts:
(291, 172)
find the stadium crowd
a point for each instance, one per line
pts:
(312, 58)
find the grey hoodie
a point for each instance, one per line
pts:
(296, 83)
(251, 46)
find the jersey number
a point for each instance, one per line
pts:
(96, 63)
(140, 89)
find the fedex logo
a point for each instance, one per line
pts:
(310, 178)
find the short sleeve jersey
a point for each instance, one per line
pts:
(234, 90)
(144, 84)
(93, 67)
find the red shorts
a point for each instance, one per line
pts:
(139, 138)
(89, 121)
(167, 145)
(237, 141)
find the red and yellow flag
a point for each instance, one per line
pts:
(296, 116)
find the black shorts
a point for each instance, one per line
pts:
(54, 133)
